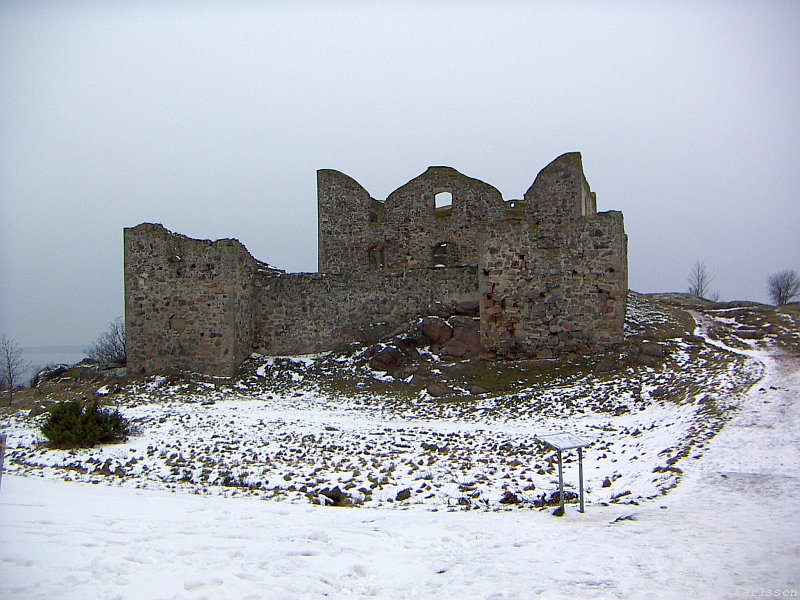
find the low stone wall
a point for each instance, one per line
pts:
(311, 312)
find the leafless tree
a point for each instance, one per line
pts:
(700, 281)
(783, 287)
(110, 346)
(12, 365)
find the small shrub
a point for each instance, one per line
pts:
(72, 424)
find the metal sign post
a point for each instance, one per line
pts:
(3, 439)
(566, 441)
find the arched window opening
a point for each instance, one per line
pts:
(444, 200)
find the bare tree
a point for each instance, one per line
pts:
(783, 287)
(12, 365)
(110, 346)
(700, 281)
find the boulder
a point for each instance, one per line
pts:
(335, 496)
(387, 358)
(436, 330)
(457, 349)
(466, 340)
(437, 389)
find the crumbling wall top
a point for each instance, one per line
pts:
(560, 191)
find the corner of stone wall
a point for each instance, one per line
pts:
(552, 287)
(188, 303)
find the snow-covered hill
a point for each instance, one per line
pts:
(445, 491)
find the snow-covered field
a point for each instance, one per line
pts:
(222, 500)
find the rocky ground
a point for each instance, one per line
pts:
(435, 430)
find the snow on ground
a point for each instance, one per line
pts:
(293, 444)
(732, 527)
(215, 497)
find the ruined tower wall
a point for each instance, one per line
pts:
(311, 312)
(347, 219)
(551, 288)
(188, 303)
(560, 192)
(358, 233)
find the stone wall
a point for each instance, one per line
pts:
(311, 312)
(188, 303)
(560, 192)
(549, 271)
(551, 288)
(358, 233)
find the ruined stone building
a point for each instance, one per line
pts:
(549, 273)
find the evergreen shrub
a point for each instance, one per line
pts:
(74, 424)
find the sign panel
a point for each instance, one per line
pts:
(563, 441)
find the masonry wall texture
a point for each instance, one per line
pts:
(549, 271)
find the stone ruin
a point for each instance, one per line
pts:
(546, 274)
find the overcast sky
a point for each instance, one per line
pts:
(213, 117)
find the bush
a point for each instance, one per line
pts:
(110, 346)
(71, 424)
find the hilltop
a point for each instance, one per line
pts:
(692, 478)
(329, 428)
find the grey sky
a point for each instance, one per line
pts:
(213, 117)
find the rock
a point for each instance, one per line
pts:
(694, 339)
(49, 373)
(38, 409)
(439, 309)
(653, 349)
(422, 376)
(466, 339)
(437, 389)
(606, 482)
(114, 373)
(607, 364)
(336, 496)
(387, 359)
(509, 497)
(403, 495)
(470, 308)
(554, 499)
(370, 334)
(457, 348)
(477, 390)
(407, 347)
(436, 330)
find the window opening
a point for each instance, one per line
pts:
(444, 200)
(440, 253)
(376, 257)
